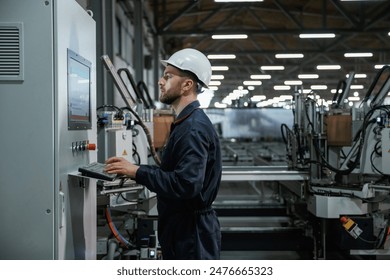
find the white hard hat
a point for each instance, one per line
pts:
(194, 61)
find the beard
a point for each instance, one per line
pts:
(169, 98)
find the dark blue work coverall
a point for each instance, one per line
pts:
(186, 185)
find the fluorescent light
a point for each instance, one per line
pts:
(221, 56)
(335, 90)
(354, 98)
(272, 67)
(368, 54)
(388, 33)
(358, 76)
(304, 91)
(219, 68)
(380, 66)
(214, 88)
(260, 77)
(293, 83)
(357, 87)
(215, 83)
(240, 91)
(318, 87)
(251, 87)
(217, 77)
(230, 36)
(252, 83)
(257, 98)
(289, 55)
(308, 76)
(317, 35)
(282, 87)
(285, 97)
(328, 67)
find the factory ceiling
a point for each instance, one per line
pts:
(273, 27)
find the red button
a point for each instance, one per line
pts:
(91, 147)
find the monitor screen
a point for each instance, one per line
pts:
(79, 92)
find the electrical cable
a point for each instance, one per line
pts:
(109, 106)
(115, 231)
(372, 163)
(136, 154)
(366, 122)
(143, 88)
(148, 136)
(282, 131)
(124, 91)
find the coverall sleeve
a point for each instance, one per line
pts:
(186, 180)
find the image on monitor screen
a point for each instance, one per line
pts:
(79, 92)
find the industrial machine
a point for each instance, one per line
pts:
(127, 215)
(322, 192)
(346, 152)
(51, 210)
(48, 122)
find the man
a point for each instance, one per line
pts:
(188, 179)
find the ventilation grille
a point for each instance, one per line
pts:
(11, 58)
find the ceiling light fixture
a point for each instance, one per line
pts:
(282, 87)
(357, 87)
(272, 67)
(256, 98)
(293, 83)
(230, 36)
(308, 76)
(289, 55)
(335, 90)
(219, 68)
(328, 67)
(304, 90)
(215, 83)
(217, 77)
(317, 35)
(357, 76)
(354, 98)
(221, 56)
(368, 54)
(286, 97)
(252, 83)
(380, 66)
(319, 87)
(260, 77)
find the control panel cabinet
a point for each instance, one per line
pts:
(48, 124)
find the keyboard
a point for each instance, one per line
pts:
(96, 170)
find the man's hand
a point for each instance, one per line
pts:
(121, 166)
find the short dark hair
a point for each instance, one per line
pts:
(193, 77)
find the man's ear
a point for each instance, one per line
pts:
(188, 84)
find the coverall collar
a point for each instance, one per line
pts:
(187, 111)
